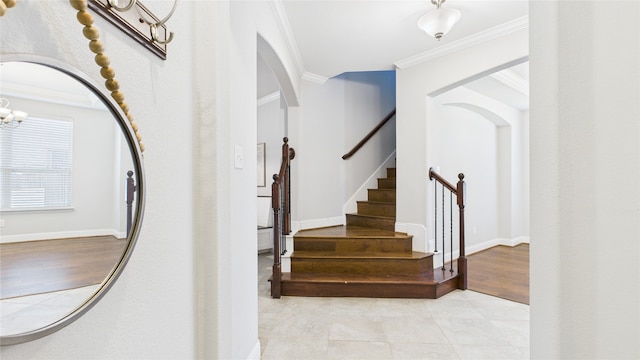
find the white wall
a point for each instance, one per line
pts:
(336, 116)
(520, 188)
(270, 132)
(470, 146)
(97, 204)
(226, 317)
(585, 176)
(416, 86)
(369, 98)
(149, 312)
(319, 150)
(486, 140)
(189, 289)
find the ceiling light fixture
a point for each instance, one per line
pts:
(439, 21)
(10, 118)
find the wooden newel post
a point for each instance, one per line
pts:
(461, 188)
(277, 270)
(286, 221)
(131, 189)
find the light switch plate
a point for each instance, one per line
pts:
(238, 157)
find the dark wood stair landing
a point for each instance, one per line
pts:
(428, 286)
(350, 261)
(365, 258)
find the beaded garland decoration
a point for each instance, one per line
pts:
(6, 4)
(92, 34)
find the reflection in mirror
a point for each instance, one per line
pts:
(65, 193)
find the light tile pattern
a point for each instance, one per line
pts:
(28, 313)
(460, 325)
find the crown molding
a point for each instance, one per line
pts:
(269, 98)
(87, 100)
(314, 78)
(280, 14)
(478, 38)
(512, 80)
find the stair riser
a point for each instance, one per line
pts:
(391, 172)
(354, 245)
(363, 221)
(387, 183)
(373, 290)
(382, 195)
(363, 266)
(376, 209)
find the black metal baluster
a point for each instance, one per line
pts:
(435, 211)
(443, 239)
(451, 227)
(283, 214)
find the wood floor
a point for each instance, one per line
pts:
(36, 267)
(501, 271)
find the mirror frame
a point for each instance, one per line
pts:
(137, 156)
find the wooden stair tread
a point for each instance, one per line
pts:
(375, 202)
(366, 257)
(414, 255)
(426, 286)
(374, 216)
(368, 278)
(350, 232)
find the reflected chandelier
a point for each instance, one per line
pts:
(439, 21)
(10, 118)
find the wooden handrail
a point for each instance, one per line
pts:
(279, 204)
(460, 192)
(369, 135)
(443, 181)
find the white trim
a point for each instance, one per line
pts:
(255, 352)
(419, 233)
(285, 260)
(265, 239)
(520, 240)
(351, 206)
(317, 223)
(314, 78)
(61, 235)
(485, 245)
(479, 247)
(285, 29)
(494, 242)
(483, 36)
(269, 98)
(87, 101)
(512, 80)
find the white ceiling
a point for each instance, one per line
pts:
(337, 36)
(43, 83)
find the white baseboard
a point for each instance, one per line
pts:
(255, 352)
(520, 240)
(497, 241)
(351, 206)
(265, 239)
(437, 261)
(61, 235)
(419, 233)
(285, 262)
(316, 223)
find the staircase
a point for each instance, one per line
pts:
(365, 258)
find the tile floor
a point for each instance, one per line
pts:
(460, 325)
(27, 313)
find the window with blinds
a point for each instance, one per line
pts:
(36, 165)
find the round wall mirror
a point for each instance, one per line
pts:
(71, 195)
